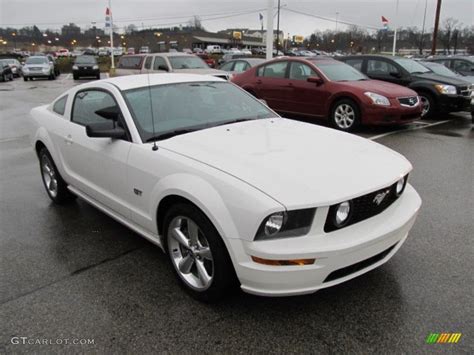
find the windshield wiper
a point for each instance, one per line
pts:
(235, 121)
(419, 72)
(170, 134)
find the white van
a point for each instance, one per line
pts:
(213, 49)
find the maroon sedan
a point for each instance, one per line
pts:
(329, 89)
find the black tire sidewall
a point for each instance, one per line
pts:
(355, 107)
(224, 279)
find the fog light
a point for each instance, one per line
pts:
(274, 223)
(342, 213)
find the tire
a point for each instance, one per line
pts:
(25, 78)
(55, 186)
(11, 77)
(75, 77)
(4, 78)
(98, 77)
(208, 273)
(345, 115)
(429, 105)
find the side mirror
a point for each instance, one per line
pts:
(395, 74)
(99, 130)
(315, 79)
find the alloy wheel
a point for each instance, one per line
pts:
(344, 116)
(49, 176)
(425, 104)
(190, 253)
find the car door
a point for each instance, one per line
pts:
(382, 69)
(160, 65)
(147, 64)
(305, 97)
(97, 166)
(271, 84)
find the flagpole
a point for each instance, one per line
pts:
(394, 49)
(112, 65)
(270, 30)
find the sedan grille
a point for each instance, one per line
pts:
(464, 91)
(410, 101)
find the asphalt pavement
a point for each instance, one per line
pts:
(73, 273)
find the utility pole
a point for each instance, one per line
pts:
(112, 64)
(269, 30)
(394, 49)
(278, 29)
(423, 29)
(435, 31)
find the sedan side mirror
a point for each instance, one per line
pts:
(315, 79)
(99, 130)
(395, 74)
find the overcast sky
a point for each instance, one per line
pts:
(221, 14)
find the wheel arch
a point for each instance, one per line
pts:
(343, 96)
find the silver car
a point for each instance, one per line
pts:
(38, 67)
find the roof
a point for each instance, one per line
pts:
(128, 82)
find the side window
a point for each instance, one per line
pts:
(148, 62)
(355, 63)
(462, 65)
(380, 67)
(300, 71)
(130, 62)
(275, 70)
(241, 66)
(227, 66)
(87, 103)
(160, 64)
(60, 106)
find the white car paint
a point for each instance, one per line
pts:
(238, 175)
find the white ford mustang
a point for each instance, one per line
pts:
(233, 193)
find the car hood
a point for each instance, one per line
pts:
(440, 79)
(298, 164)
(380, 87)
(36, 66)
(201, 71)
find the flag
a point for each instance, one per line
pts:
(385, 23)
(260, 16)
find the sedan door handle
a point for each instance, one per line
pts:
(68, 139)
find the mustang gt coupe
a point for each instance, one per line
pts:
(232, 192)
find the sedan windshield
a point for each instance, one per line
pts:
(37, 60)
(85, 59)
(186, 107)
(412, 66)
(187, 62)
(338, 71)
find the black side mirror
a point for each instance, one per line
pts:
(395, 74)
(315, 79)
(99, 130)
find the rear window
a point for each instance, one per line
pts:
(130, 62)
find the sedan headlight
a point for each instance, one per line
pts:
(446, 89)
(286, 224)
(95, 67)
(377, 99)
(25, 69)
(45, 70)
(75, 67)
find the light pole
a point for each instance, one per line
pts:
(278, 29)
(394, 49)
(14, 39)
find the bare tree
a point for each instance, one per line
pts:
(450, 25)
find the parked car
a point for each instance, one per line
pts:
(131, 50)
(103, 51)
(90, 51)
(328, 89)
(461, 65)
(52, 60)
(85, 66)
(202, 178)
(6, 70)
(437, 93)
(237, 66)
(211, 62)
(165, 63)
(15, 66)
(63, 53)
(213, 49)
(197, 50)
(229, 56)
(187, 50)
(440, 69)
(38, 67)
(77, 52)
(144, 49)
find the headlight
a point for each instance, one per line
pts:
(95, 67)
(343, 212)
(446, 89)
(400, 186)
(25, 69)
(377, 99)
(45, 70)
(75, 67)
(286, 224)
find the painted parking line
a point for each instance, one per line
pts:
(421, 126)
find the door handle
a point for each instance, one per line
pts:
(68, 139)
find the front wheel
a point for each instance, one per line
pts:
(345, 115)
(428, 105)
(197, 254)
(55, 186)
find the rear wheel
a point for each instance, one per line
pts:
(75, 77)
(11, 77)
(345, 115)
(197, 254)
(4, 77)
(428, 105)
(55, 186)
(25, 78)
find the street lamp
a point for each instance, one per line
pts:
(14, 38)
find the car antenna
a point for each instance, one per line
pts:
(155, 147)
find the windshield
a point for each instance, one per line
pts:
(37, 60)
(187, 62)
(412, 66)
(338, 71)
(86, 59)
(190, 106)
(440, 69)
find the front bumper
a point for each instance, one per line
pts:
(390, 115)
(36, 74)
(340, 255)
(454, 103)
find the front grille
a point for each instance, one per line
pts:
(464, 91)
(410, 101)
(352, 269)
(364, 207)
(36, 68)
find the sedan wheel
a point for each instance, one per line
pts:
(426, 106)
(190, 253)
(49, 176)
(345, 115)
